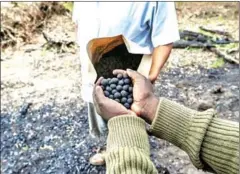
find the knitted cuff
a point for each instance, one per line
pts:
(182, 126)
(127, 131)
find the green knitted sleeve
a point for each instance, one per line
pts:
(128, 147)
(211, 143)
(220, 147)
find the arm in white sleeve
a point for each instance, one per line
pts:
(164, 24)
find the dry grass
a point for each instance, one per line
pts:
(20, 21)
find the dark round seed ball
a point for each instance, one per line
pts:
(104, 82)
(130, 100)
(125, 87)
(114, 91)
(123, 100)
(103, 88)
(130, 89)
(120, 82)
(117, 95)
(109, 89)
(124, 93)
(119, 76)
(130, 95)
(106, 93)
(113, 81)
(127, 81)
(117, 100)
(111, 96)
(119, 87)
(113, 86)
(125, 75)
(108, 81)
(127, 105)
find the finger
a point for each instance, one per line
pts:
(119, 71)
(134, 74)
(98, 94)
(99, 81)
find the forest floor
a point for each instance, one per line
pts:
(53, 135)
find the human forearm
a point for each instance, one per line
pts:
(128, 146)
(181, 126)
(159, 57)
(199, 134)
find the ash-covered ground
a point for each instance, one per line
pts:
(54, 138)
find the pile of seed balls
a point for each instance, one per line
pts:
(119, 88)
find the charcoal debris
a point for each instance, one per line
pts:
(24, 108)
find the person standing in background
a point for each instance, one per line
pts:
(151, 25)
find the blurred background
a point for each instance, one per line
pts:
(44, 127)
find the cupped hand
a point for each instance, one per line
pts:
(145, 103)
(107, 108)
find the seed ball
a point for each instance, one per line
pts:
(117, 95)
(123, 100)
(119, 87)
(130, 89)
(120, 82)
(125, 87)
(113, 86)
(108, 81)
(109, 89)
(113, 81)
(119, 76)
(124, 93)
(127, 105)
(130, 95)
(114, 91)
(104, 82)
(130, 100)
(106, 93)
(117, 100)
(127, 81)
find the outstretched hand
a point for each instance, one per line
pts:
(145, 103)
(106, 107)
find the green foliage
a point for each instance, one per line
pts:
(192, 48)
(228, 46)
(218, 63)
(68, 6)
(214, 36)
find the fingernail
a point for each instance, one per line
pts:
(129, 70)
(98, 88)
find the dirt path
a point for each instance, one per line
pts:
(52, 137)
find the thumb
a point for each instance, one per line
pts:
(134, 74)
(98, 94)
